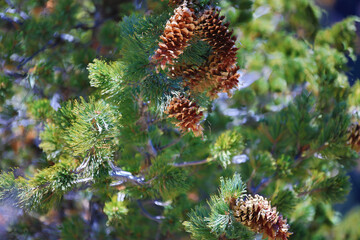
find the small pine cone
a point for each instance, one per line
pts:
(354, 136)
(257, 214)
(178, 31)
(187, 113)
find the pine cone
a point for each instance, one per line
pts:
(213, 30)
(257, 214)
(222, 63)
(354, 137)
(187, 113)
(178, 31)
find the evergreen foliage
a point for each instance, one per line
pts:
(81, 83)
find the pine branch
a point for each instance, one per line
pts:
(84, 180)
(148, 215)
(50, 44)
(315, 190)
(194, 163)
(143, 121)
(264, 183)
(83, 165)
(309, 154)
(10, 20)
(117, 172)
(174, 142)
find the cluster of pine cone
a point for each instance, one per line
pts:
(218, 74)
(257, 214)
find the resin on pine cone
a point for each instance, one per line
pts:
(178, 31)
(354, 137)
(257, 214)
(187, 113)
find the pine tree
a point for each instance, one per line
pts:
(201, 119)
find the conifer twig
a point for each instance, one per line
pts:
(50, 44)
(249, 182)
(174, 142)
(83, 165)
(264, 183)
(147, 214)
(151, 152)
(315, 190)
(82, 180)
(117, 172)
(186, 164)
(309, 154)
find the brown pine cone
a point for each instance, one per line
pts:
(257, 214)
(222, 63)
(178, 31)
(214, 30)
(187, 113)
(354, 137)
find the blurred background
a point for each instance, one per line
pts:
(48, 33)
(336, 10)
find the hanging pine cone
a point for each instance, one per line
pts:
(214, 30)
(222, 63)
(354, 136)
(257, 214)
(187, 113)
(178, 31)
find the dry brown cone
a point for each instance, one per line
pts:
(178, 31)
(221, 67)
(354, 137)
(257, 214)
(214, 30)
(187, 113)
